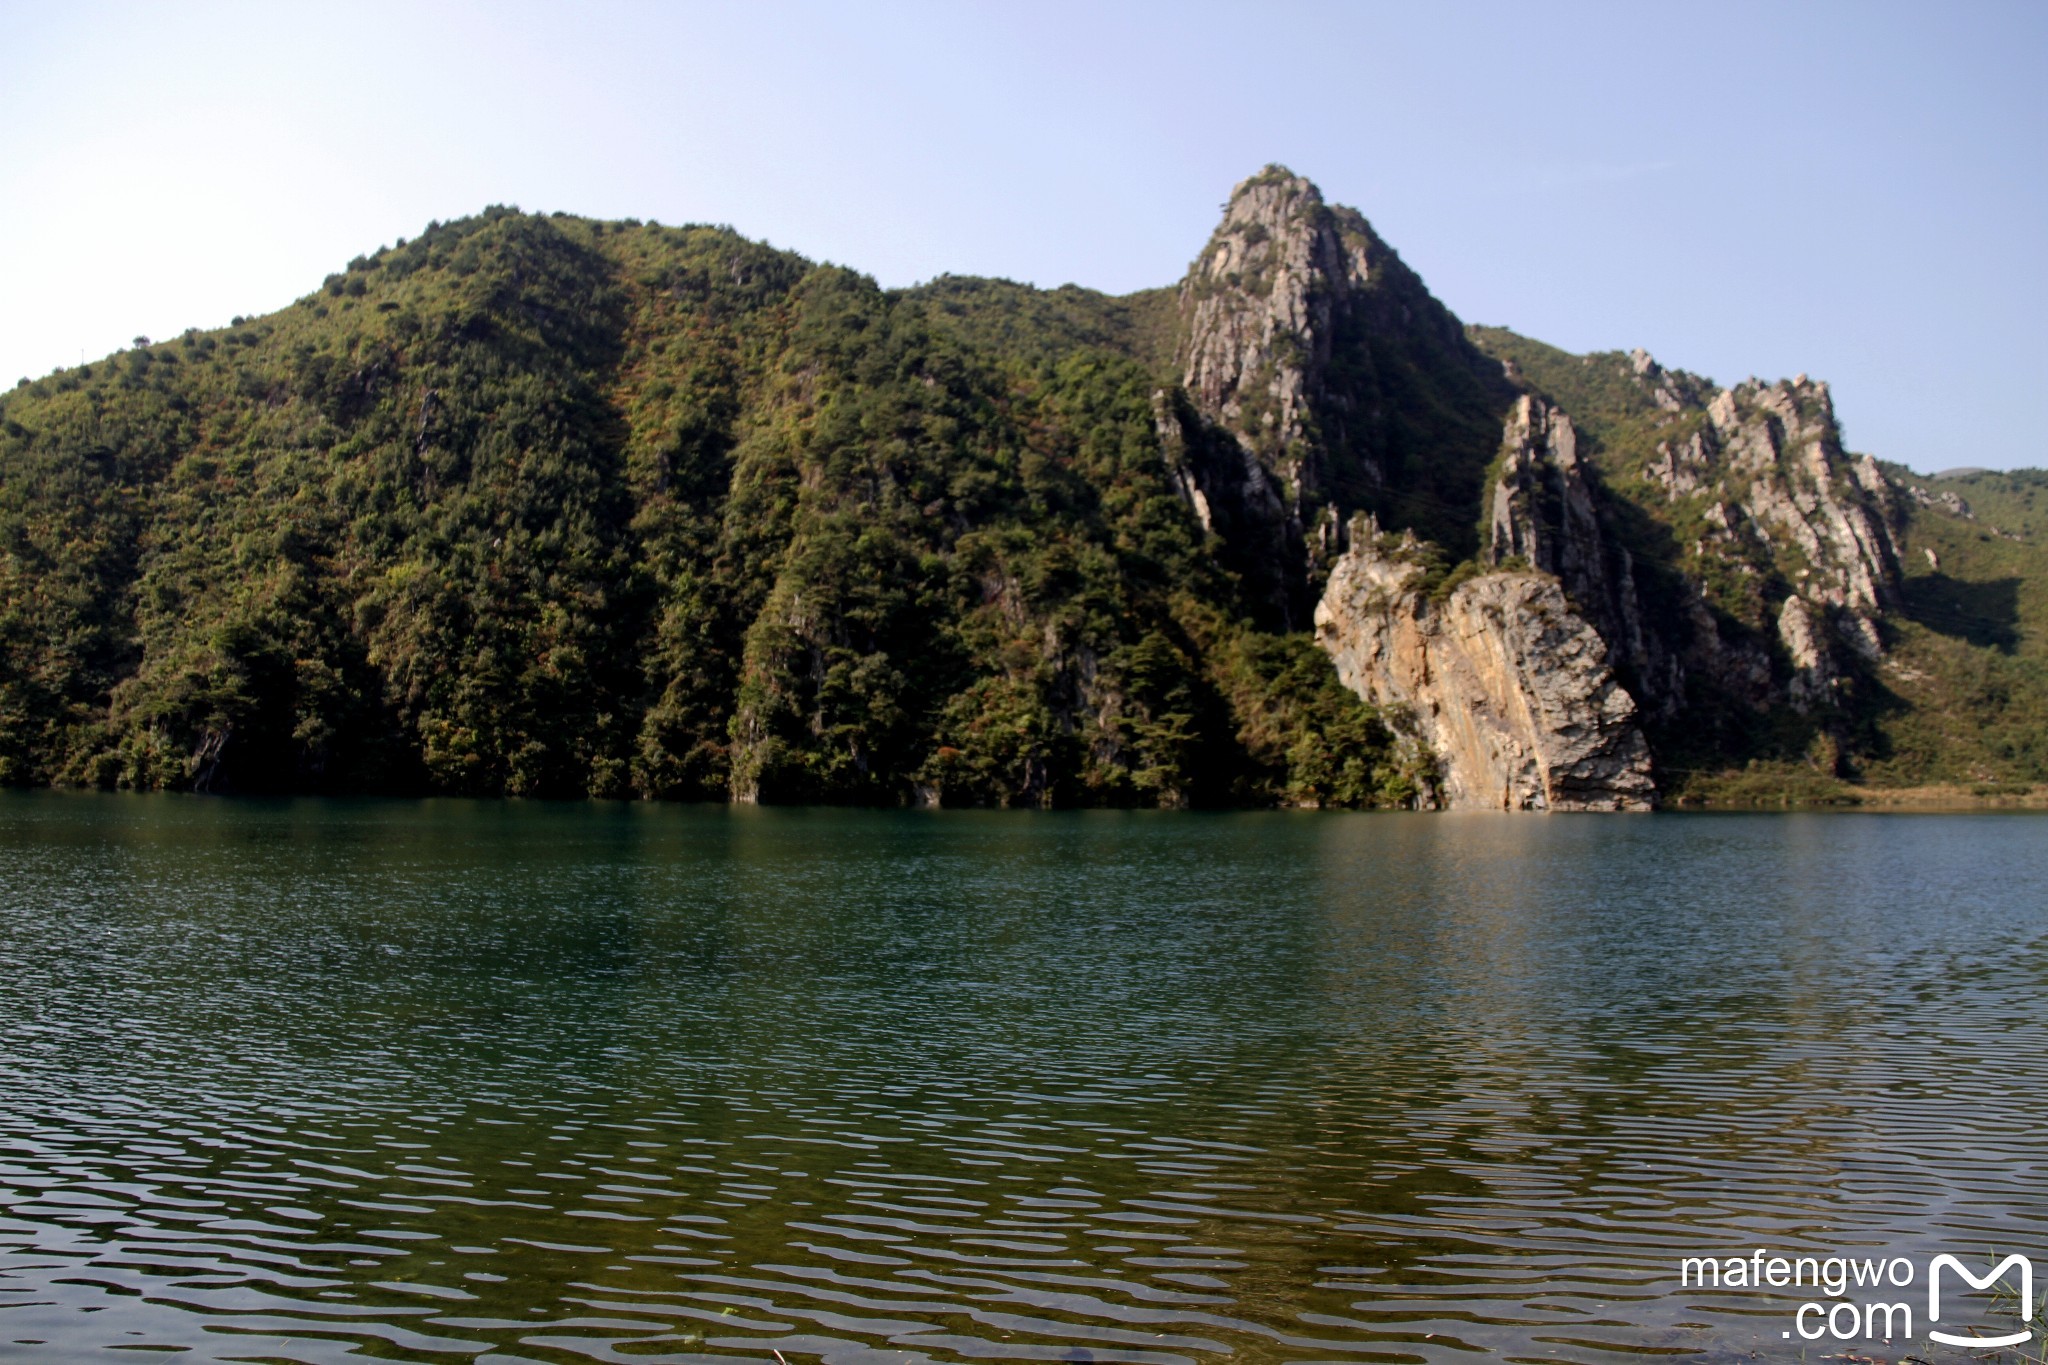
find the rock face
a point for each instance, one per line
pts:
(1542, 507)
(1305, 347)
(1783, 441)
(1813, 669)
(1796, 533)
(1748, 563)
(1259, 310)
(1545, 512)
(1784, 504)
(1258, 316)
(1506, 684)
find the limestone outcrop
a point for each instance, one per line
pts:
(1782, 455)
(1259, 311)
(1783, 503)
(1284, 423)
(1813, 666)
(1503, 680)
(1545, 512)
(1743, 567)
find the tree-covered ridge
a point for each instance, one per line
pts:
(543, 505)
(549, 506)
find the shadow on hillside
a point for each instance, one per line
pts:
(1986, 613)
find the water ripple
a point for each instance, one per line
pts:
(325, 1081)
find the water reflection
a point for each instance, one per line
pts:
(312, 1080)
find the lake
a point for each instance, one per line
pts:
(499, 1081)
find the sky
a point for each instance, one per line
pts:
(1858, 192)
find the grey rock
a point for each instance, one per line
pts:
(1503, 681)
(1947, 499)
(1800, 629)
(1284, 282)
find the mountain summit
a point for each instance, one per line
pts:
(544, 505)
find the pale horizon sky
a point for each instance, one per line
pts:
(1853, 191)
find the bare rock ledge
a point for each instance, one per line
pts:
(1505, 683)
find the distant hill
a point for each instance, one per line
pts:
(549, 506)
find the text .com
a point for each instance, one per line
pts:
(1884, 1299)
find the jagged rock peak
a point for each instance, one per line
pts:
(1671, 390)
(1261, 306)
(1783, 440)
(1257, 307)
(1540, 473)
(1546, 513)
(1260, 312)
(1255, 199)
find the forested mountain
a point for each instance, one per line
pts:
(548, 506)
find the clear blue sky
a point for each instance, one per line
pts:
(1858, 191)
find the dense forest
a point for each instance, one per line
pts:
(546, 506)
(539, 505)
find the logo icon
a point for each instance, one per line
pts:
(1997, 1272)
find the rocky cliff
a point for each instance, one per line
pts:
(1503, 681)
(1759, 583)
(1320, 380)
(1318, 376)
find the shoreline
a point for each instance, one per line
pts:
(1930, 797)
(1736, 792)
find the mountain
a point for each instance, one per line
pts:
(548, 506)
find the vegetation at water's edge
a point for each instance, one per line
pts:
(558, 507)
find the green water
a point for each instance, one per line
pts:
(520, 1082)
